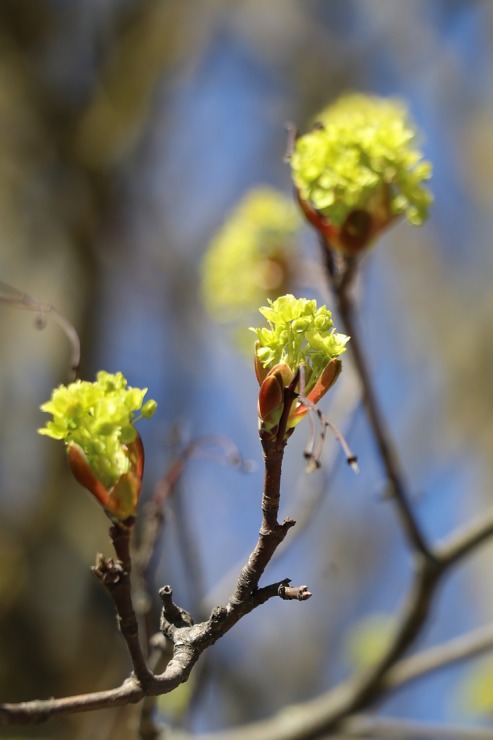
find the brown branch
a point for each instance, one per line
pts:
(212, 447)
(33, 712)
(462, 542)
(272, 533)
(441, 656)
(332, 711)
(188, 640)
(289, 593)
(115, 576)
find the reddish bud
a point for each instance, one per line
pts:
(120, 501)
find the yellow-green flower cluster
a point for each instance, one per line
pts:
(100, 418)
(299, 333)
(248, 259)
(362, 156)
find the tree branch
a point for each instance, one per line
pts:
(331, 711)
(463, 541)
(189, 640)
(341, 272)
(434, 659)
(34, 712)
(401, 729)
(115, 576)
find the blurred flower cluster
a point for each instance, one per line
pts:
(249, 258)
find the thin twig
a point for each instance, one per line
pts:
(272, 533)
(460, 543)
(441, 656)
(401, 729)
(12, 297)
(115, 576)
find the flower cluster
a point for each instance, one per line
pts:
(96, 422)
(249, 258)
(358, 169)
(300, 335)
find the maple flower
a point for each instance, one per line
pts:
(359, 169)
(104, 450)
(299, 335)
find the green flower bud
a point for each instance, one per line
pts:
(99, 418)
(299, 334)
(294, 337)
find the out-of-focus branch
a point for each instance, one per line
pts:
(331, 711)
(341, 272)
(404, 672)
(400, 729)
(10, 296)
(436, 658)
(462, 542)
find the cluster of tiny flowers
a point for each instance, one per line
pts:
(248, 259)
(361, 155)
(100, 418)
(299, 333)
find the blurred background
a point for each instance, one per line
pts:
(129, 129)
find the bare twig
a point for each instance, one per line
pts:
(400, 729)
(272, 533)
(188, 640)
(12, 297)
(217, 448)
(462, 542)
(441, 656)
(33, 712)
(116, 578)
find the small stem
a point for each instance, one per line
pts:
(430, 660)
(271, 495)
(272, 533)
(465, 540)
(116, 578)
